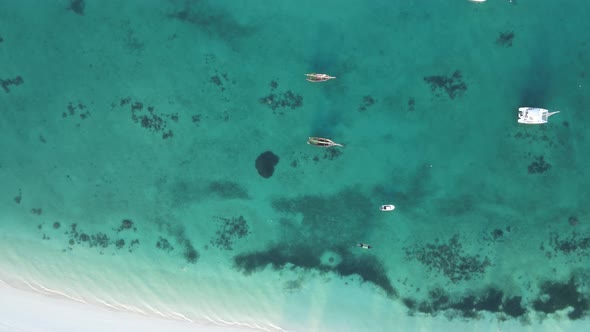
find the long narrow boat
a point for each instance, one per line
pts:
(322, 142)
(314, 78)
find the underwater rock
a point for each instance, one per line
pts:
(265, 164)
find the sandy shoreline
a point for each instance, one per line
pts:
(22, 310)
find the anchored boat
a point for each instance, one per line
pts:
(387, 207)
(322, 142)
(314, 77)
(534, 115)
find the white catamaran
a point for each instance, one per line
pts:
(533, 115)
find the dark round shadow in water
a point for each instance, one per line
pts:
(265, 164)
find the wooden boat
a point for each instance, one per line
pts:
(322, 142)
(533, 115)
(314, 77)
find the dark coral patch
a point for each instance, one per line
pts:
(230, 230)
(77, 6)
(19, 197)
(191, 255)
(164, 244)
(513, 307)
(558, 296)
(505, 39)
(453, 85)
(125, 224)
(369, 269)
(6, 83)
(330, 223)
(265, 164)
(466, 306)
(276, 102)
(539, 166)
(449, 259)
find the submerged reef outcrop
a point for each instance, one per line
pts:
(449, 259)
(323, 241)
(452, 85)
(539, 166)
(265, 164)
(555, 296)
(281, 256)
(277, 101)
(8, 82)
(471, 305)
(229, 231)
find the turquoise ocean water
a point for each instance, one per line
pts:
(130, 133)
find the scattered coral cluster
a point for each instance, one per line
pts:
(148, 118)
(449, 259)
(277, 101)
(7, 83)
(452, 85)
(230, 230)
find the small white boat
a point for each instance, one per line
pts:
(387, 207)
(533, 115)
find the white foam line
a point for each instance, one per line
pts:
(225, 322)
(136, 309)
(107, 304)
(60, 293)
(249, 325)
(129, 308)
(157, 311)
(33, 288)
(182, 316)
(258, 327)
(276, 327)
(212, 320)
(252, 326)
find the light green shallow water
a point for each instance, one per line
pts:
(156, 112)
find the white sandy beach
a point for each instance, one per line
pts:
(26, 311)
(22, 310)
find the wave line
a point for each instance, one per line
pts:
(60, 293)
(182, 316)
